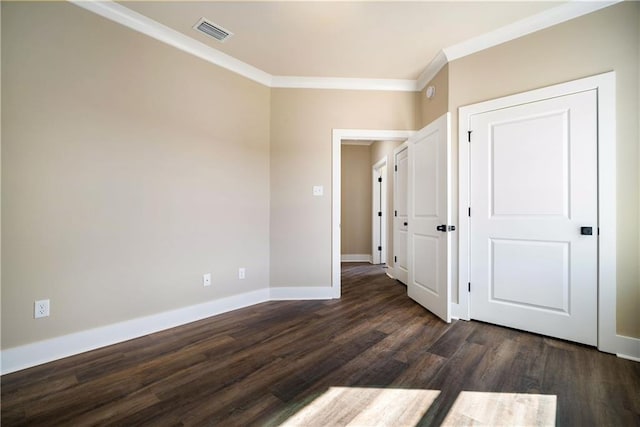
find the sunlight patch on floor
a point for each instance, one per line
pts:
(365, 406)
(502, 409)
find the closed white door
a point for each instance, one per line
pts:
(400, 218)
(534, 219)
(429, 228)
(379, 219)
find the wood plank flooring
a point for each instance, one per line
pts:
(374, 357)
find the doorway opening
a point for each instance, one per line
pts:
(338, 138)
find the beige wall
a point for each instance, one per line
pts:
(301, 126)
(384, 150)
(431, 109)
(599, 42)
(124, 176)
(355, 200)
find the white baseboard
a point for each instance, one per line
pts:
(624, 356)
(389, 274)
(26, 356)
(356, 258)
(302, 293)
(628, 348)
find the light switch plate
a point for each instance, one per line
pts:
(318, 190)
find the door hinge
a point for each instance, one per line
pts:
(379, 213)
(469, 286)
(379, 179)
(444, 228)
(469, 211)
(396, 168)
(379, 248)
(395, 213)
(395, 259)
(469, 136)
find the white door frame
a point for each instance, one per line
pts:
(379, 204)
(338, 135)
(396, 269)
(605, 84)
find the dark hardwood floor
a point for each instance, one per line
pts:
(267, 364)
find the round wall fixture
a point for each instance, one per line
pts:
(431, 91)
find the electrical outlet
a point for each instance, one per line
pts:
(206, 279)
(41, 309)
(241, 273)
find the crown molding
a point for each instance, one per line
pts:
(111, 10)
(138, 22)
(540, 21)
(434, 67)
(344, 83)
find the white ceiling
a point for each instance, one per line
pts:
(362, 39)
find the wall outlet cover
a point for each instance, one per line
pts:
(206, 279)
(41, 308)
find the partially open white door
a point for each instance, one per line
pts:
(429, 228)
(400, 215)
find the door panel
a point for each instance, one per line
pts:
(426, 265)
(429, 271)
(532, 176)
(533, 186)
(530, 273)
(400, 220)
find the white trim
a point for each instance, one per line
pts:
(138, 22)
(380, 163)
(605, 84)
(344, 83)
(389, 274)
(635, 342)
(437, 63)
(336, 142)
(360, 143)
(302, 293)
(356, 258)
(461, 310)
(540, 21)
(26, 356)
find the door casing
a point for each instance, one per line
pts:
(605, 86)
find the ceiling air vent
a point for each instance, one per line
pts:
(212, 30)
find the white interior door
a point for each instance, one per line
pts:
(429, 234)
(400, 212)
(533, 187)
(379, 221)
